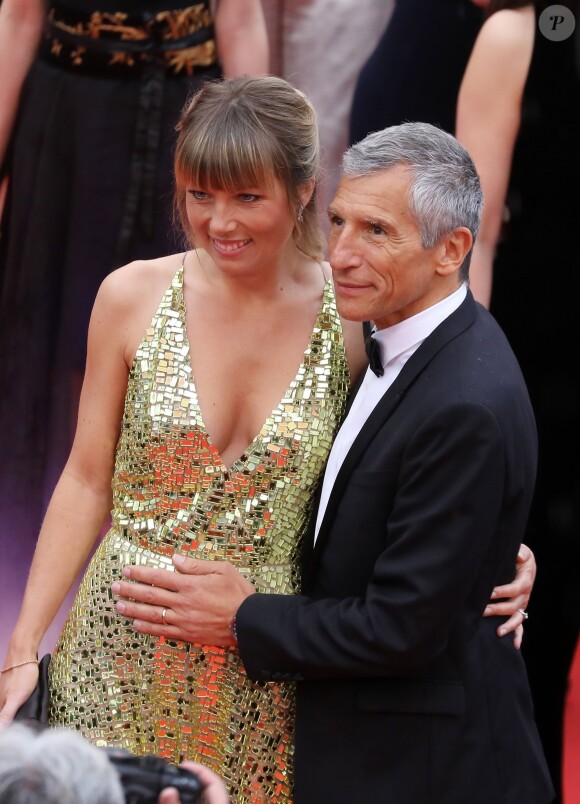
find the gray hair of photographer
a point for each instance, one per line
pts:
(54, 765)
(59, 766)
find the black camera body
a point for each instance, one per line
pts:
(143, 778)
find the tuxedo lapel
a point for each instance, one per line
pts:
(449, 329)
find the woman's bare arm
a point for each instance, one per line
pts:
(82, 498)
(20, 29)
(242, 38)
(488, 120)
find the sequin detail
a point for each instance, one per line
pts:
(171, 492)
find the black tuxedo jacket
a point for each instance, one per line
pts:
(405, 693)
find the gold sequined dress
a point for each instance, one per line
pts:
(171, 492)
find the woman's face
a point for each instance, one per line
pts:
(244, 231)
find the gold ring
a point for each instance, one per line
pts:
(163, 613)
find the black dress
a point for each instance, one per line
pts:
(90, 189)
(535, 273)
(414, 73)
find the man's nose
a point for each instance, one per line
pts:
(342, 252)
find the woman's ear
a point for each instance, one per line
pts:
(305, 191)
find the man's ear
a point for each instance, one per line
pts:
(305, 191)
(454, 249)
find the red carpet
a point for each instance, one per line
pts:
(571, 771)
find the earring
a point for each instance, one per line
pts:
(300, 215)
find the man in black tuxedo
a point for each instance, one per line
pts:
(405, 695)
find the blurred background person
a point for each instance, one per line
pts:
(320, 47)
(489, 112)
(519, 116)
(414, 72)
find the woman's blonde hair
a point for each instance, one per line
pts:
(234, 133)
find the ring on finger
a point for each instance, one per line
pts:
(524, 613)
(163, 613)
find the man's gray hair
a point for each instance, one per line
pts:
(444, 192)
(54, 766)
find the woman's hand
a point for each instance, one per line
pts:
(513, 597)
(16, 685)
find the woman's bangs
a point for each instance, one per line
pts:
(228, 162)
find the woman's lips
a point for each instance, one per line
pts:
(229, 246)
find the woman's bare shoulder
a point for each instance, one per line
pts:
(138, 279)
(509, 24)
(507, 36)
(129, 296)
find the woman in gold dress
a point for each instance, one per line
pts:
(215, 382)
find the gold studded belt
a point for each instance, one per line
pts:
(123, 44)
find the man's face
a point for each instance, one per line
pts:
(381, 271)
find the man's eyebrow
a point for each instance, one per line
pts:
(377, 220)
(365, 220)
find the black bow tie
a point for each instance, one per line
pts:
(373, 351)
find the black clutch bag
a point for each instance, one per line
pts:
(36, 706)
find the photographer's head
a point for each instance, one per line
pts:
(54, 766)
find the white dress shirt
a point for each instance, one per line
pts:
(397, 344)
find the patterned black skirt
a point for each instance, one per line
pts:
(91, 182)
